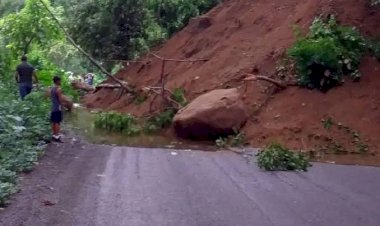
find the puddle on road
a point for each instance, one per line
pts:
(81, 121)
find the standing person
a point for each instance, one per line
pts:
(57, 99)
(90, 79)
(25, 73)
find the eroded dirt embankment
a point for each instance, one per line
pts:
(252, 36)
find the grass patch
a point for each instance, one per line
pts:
(275, 157)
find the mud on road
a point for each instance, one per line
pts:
(80, 184)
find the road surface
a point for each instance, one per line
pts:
(81, 184)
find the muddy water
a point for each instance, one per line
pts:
(81, 121)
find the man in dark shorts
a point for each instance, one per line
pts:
(25, 73)
(56, 110)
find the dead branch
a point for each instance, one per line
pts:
(279, 84)
(162, 89)
(163, 80)
(71, 40)
(128, 62)
(177, 60)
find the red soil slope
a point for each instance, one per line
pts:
(247, 36)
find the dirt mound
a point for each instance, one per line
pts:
(246, 36)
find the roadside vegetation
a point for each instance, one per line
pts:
(329, 52)
(24, 129)
(27, 28)
(124, 30)
(276, 157)
(234, 141)
(131, 125)
(359, 145)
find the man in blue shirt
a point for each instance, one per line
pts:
(25, 73)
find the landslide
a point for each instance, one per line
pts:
(245, 36)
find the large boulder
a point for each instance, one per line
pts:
(214, 114)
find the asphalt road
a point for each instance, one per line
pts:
(90, 185)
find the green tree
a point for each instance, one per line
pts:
(113, 29)
(10, 6)
(31, 25)
(173, 15)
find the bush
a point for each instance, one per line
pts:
(24, 121)
(374, 48)
(328, 48)
(236, 140)
(116, 122)
(160, 121)
(6, 190)
(179, 96)
(275, 157)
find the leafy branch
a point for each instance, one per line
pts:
(123, 84)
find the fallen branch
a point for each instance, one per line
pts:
(177, 60)
(162, 89)
(71, 40)
(279, 84)
(82, 86)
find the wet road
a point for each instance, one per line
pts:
(92, 185)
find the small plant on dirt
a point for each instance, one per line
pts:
(140, 99)
(164, 119)
(360, 146)
(116, 122)
(327, 53)
(236, 140)
(327, 123)
(160, 121)
(275, 157)
(221, 143)
(179, 96)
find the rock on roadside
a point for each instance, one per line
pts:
(211, 115)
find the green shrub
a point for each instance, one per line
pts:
(236, 140)
(179, 96)
(6, 189)
(116, 122)
(160, 121)
(334, 47)
(222, 143)
(275, 157)
(7, 176)
(140, 99)
(24, 121)
(374, 48)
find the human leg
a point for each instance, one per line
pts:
(22, 90)
(56, 119)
